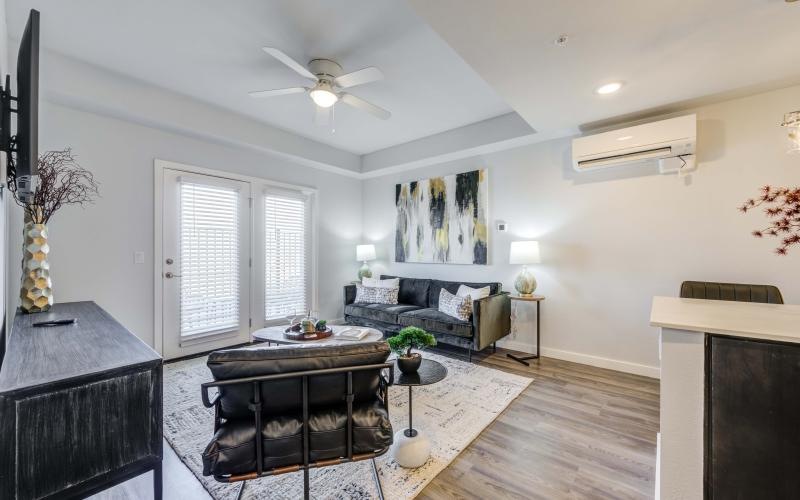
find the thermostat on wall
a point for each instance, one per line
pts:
(502, 226)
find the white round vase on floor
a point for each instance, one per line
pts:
(410, 452)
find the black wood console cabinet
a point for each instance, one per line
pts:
(80, 406)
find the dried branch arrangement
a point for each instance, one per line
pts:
(782, 208)
(61, 182)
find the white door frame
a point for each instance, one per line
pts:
(256, 187)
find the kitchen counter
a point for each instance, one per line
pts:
(741, 319)
(742, 358)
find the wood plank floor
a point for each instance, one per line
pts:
(575, 432)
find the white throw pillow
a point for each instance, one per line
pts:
(455, 306)
(379, 283)
(376, 295)
(475, 293)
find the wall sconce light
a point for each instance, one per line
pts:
(792, 122)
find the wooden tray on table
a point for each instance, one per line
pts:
(318, 335)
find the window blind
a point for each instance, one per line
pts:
(286, 236)
(209, 258)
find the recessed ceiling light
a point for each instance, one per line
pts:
(608, 88)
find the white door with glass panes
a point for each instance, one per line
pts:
(206, 255)
(284, 240)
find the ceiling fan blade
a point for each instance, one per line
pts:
(274, 92)
(359, 77)
(285, 59)
(363, 105)
(322, 116)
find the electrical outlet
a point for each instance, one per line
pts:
(138, 257)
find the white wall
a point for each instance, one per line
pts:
(92, 249)
(611, 240)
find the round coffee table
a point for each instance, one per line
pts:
(411, 449)
(274, 335)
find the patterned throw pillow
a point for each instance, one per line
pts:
(455, 306)
(376, 294)
(475, 293)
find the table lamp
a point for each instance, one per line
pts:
(365, 253)
(524, 252)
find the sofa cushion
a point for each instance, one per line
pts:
(436, 321)
(379, 312)
(233, 450)
(413, 291)
(390, 283)
(452, 287)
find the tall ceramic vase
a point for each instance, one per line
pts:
(36, 292)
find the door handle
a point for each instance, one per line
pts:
(170, 275)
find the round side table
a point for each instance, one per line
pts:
(411, 449)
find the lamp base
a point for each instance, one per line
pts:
(364, 272)
(525, 283)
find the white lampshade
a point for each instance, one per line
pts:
(365, 252)
(524, 252)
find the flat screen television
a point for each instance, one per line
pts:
(23, 147)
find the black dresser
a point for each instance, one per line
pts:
(80, 406)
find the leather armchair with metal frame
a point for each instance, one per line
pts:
(290, 408)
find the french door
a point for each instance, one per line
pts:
(205, 264)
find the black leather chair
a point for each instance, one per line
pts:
(731, 291)
(289, 408)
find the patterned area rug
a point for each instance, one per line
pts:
(451, 413)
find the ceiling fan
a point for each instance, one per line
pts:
(328, 84)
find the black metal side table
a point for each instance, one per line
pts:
(530, 298)
(411, 449)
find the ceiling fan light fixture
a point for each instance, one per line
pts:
(323, 95)
(328, 84)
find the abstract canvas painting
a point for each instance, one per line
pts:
(443, 219)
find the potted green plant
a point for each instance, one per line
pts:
(409, 338)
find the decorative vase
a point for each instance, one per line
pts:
(409, 364)
(364, 271)
(525, 282)
(36, 292)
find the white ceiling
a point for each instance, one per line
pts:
(665, 51)
(211, 50)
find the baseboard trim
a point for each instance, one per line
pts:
(517, 346)
(658, 466)
(586, 359)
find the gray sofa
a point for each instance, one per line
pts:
(418, 305)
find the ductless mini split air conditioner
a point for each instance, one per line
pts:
(669, 143)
